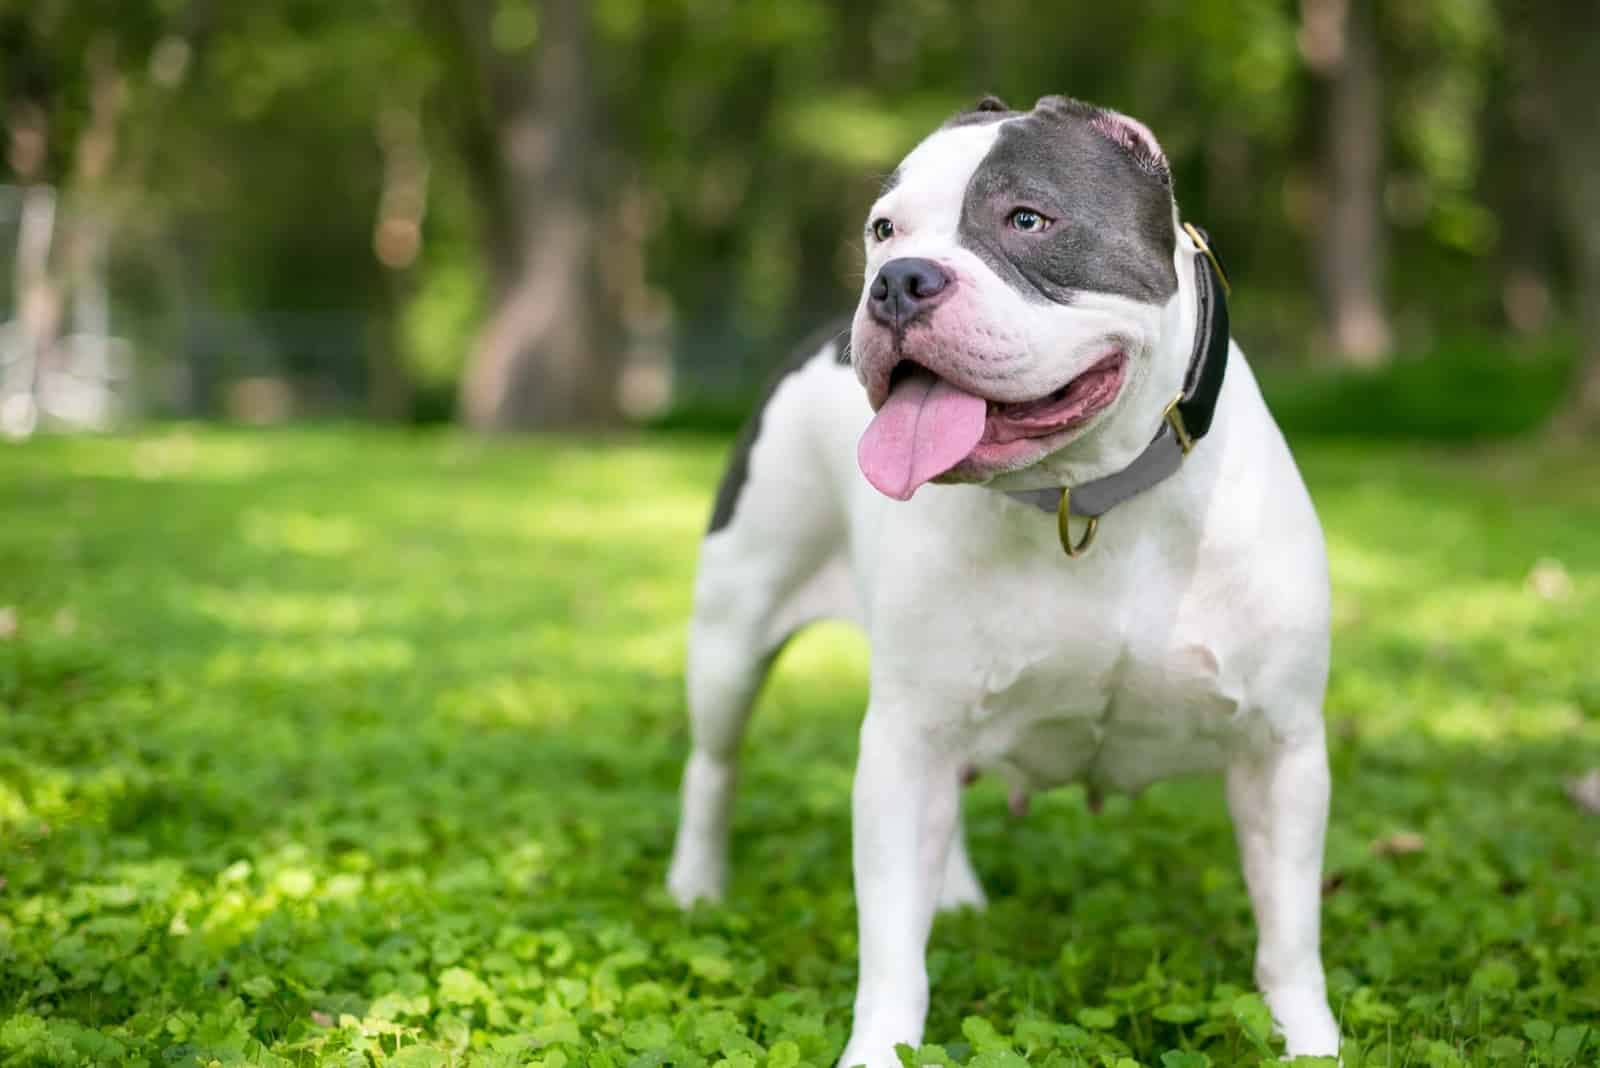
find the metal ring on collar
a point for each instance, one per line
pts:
(1064, 529)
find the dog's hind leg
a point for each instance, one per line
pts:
(1279, 803)
(726, 669)
(734, 637)
(773, 560)
(960, 887)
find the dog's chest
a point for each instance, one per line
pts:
(1118, 683)
(1137, 713)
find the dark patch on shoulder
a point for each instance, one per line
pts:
(738, 469)
(1113, 229)
(989, 109)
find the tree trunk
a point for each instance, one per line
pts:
(1518, 137)
(84, 393)
(38, 297)
(38, 312)
(547, 357)
(1568, 33)
(397, 242)
(1583, 410)
(1340, 42)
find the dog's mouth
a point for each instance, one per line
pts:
(928, 427)
(1074, 404)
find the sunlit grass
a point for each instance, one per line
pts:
(346, 747)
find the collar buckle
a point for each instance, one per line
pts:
(1174, 417)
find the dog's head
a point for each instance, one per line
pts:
(1020, 278)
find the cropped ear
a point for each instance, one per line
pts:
(990, 103)
(1136, 139)
(1130, 135)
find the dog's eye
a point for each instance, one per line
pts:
(1028, 221)
(881, 229)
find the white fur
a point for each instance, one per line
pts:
(1193, 637)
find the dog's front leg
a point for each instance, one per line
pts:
(905, 804)
(1279, 803)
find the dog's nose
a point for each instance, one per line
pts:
(905, 289)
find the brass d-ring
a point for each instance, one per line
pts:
(1064, 529)
(1199, 238)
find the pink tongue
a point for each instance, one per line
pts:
(925, 428)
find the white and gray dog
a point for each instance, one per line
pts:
(1036, 365)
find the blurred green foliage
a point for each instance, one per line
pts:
(1468, 389)
(746, 140)
(318, 771)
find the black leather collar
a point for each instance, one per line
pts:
(1187, 419)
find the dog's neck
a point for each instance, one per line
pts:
(1179, 397)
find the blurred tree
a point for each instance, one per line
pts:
(397, 242)
(223, 160)
(1566, 35)
(65, 99)
(1339, 41)
(547, 356)
(29, 90)
(506, 208)
(1519, 136)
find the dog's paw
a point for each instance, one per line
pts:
(1302, 1017)
(878, 1055)
(691, 880)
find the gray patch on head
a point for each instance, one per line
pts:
(1113, 230)
(836, 332)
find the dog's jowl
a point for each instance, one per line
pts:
(1041, 476)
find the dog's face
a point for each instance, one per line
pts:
(1019, 266)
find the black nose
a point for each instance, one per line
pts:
(905, 289)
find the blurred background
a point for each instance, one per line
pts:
(532, 214)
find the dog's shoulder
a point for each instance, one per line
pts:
(829, 344)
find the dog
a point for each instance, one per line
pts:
(1081, 549)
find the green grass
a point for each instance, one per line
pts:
(338, 747)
